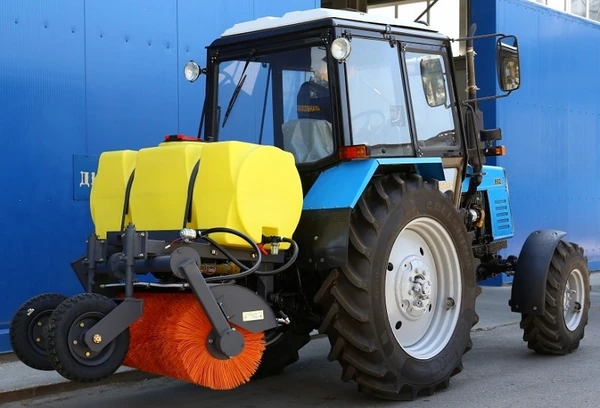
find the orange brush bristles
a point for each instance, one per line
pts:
(171, 340)
(143, 341)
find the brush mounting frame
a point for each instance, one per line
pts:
(122, 255)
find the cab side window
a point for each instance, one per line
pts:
(431, 100)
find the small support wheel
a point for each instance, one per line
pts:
(66, 339)
(27, 334)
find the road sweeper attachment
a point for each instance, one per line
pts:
(194, 218)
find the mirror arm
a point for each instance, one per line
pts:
(485, 98)
(478, 37)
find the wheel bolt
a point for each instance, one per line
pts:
(81, 324)
(38, 339)
(74, 342)
(39, 324)
(87, 354)
(450, 303)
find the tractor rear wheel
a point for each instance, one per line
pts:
(399, 314)
(27, 334)
(561, 327)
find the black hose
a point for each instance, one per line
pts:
(287, 264)
(247, 271)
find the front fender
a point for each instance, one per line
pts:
(531, 272)
(323, 232)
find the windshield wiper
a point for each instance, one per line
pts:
(236, 92)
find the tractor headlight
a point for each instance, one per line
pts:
(191, 71)
(340, 49)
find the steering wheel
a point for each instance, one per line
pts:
(446, 138)
(367, 127)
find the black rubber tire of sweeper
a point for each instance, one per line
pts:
(64, 329)
(353, 297)
(28, 325)
(548, 333)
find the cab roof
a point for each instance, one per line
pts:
(313, 15)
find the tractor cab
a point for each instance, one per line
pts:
(331, 85)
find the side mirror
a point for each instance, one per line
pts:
(507, 60)
(434, 82)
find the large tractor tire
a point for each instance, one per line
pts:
(561, 327)
(399, 314)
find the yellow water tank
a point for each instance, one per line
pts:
(107, 195)
(160, 189)
(251, 188)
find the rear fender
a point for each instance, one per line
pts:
(529, 283)
(323, 231)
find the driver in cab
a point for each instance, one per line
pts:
(313, 97)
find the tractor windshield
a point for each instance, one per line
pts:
(278, 98)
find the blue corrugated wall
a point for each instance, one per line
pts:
(78, 78)
(552, 123)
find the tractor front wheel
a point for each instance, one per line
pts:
(400, 313)
(561, 327)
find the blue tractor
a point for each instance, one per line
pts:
(399, 216)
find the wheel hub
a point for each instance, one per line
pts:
(573, 299)
(413, 288)
(77, 345)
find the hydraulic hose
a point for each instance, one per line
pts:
(203, 235)
(247, 271)
(287, 264)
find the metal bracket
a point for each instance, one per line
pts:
(113, 324)
(135, 243)
(96, 253)
(228, 341)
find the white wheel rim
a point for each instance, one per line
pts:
(573, 299)
(423, 289)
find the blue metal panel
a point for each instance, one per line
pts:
(84, 172)
(495, 184)
(551, 126)
(80, 78)
(428, 167)
(4, 338)
(42, 78)
(341, 186)
(131, 73)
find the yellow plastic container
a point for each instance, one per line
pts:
(247, 187)
(107, 195)
(250, 188)
(160, 188)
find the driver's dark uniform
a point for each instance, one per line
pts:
(313, 101)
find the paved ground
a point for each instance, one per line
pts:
(499, 372)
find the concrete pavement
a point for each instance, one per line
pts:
(18, 382)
